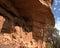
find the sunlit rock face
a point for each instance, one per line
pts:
(22, 22)
(1, 22)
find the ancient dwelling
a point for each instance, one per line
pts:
(22, 23)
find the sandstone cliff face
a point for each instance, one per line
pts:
(22, 23)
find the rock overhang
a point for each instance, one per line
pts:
(36, 10)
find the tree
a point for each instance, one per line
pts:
(52, 36)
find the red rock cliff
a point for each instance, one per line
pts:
(22, 22)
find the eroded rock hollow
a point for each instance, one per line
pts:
(22, 23)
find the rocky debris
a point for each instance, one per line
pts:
(17, 39)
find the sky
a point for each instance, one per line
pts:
(56, 12)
